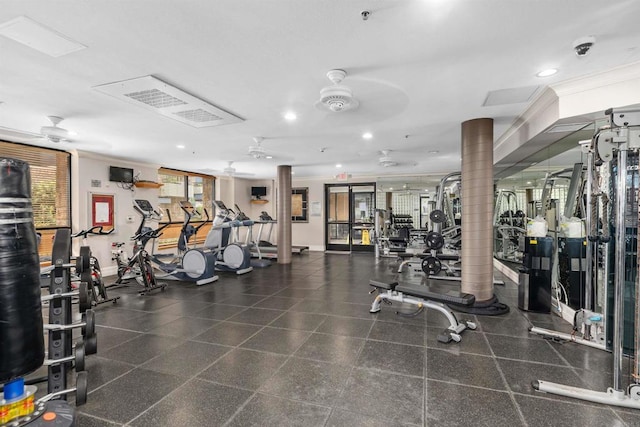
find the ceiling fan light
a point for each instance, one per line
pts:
(336, 98)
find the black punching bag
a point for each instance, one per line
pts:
(21, 331)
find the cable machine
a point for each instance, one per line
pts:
(615, 146)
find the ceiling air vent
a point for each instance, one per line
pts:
(156, 95)
(514, 95)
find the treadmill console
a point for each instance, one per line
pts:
(219, 204)
(143, 206)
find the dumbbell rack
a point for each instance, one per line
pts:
(60, 316)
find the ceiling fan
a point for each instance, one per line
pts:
(229, 171)
(53, 133)
(257, 151)
(336, 98)
(386, 161)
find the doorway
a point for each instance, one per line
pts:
(350, 210)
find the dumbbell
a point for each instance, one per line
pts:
(77, 358)
(84, 299)
(87, 323)
(80, 389)
(81, 263)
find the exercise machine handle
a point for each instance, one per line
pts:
(97, 230)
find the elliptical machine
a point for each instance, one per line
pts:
(229, 256)
(191, 265)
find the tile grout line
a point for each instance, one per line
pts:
(188, 379)
(505, 382)
(353, 367)
(241, 407)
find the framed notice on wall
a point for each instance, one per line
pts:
(299, 204)
(102, 210)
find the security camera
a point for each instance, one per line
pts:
(365, 14)
(583, 45)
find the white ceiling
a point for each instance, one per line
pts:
(418, 67)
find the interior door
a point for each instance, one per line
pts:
(363, 207)
(338, 230)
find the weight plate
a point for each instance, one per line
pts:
(431, 265)
(89, 328)
(91, 345)
(84, 297)
(79, 356)
(84, 260)
(434, 240)
(85, 277)
(437, 216)
(81, 388)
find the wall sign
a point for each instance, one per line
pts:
(102, 210)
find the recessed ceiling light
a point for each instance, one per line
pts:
(390, 188)
(433, 152)
(180, 146)
(529, 182)
(71, 133)
(367, 135)
(290, 116)
(547, 72)
(268, 157)
(338, 165)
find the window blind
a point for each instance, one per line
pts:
(50, 182)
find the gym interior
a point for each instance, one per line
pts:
(285, 213)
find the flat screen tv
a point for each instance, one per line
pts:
(258, 192)
(123, 175)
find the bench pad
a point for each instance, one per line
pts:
(450, 297)
(389, 284)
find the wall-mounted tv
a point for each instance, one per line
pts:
(258, 192)
(123, 175)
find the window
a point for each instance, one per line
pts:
(50, 189)
(178, 186)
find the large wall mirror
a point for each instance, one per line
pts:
(544, 178)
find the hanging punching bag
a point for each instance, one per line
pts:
(21, 331)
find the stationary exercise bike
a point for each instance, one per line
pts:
(191, 265)
(230, 256)
(138, 266)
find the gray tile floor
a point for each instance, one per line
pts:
(296, 346)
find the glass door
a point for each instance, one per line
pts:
(350, 214)
(363, 207)
(338, 236)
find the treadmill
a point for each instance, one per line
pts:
(266, 248)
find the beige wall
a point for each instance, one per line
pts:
(86, 167)
(310, 233)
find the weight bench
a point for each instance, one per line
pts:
(421, 297)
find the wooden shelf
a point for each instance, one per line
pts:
(259, 201)
(148, 184)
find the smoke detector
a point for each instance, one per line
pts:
(385, 161)
(336, 97)
(55, 133)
